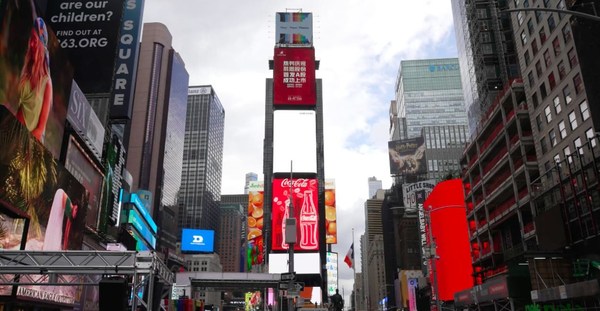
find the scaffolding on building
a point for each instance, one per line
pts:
(68, 268)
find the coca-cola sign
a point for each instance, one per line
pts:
(302, 193)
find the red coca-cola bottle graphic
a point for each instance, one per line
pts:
(308, 222)
(286, 215)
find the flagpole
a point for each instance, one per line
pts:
(354, 271)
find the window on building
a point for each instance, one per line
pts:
(561, 6)
(567, 33)
(542, 36)
(543, 91)
(534, 47)
(573, 58)
(562, 129)
(573, 120)
(548, 114)
(551, 23)
(538, 16)
(487, 48)
(530, 26)
(520, 17)
(538, 122)
(567, 153)
(523, 38)
(538, 69)
(530, 79)
(481, 13)
(578, 83)
(551, 81)
(547, 59)
(552, 138)
(526, 3)
(546, 3)
(557, 106)
(534, 100)
(567, 95)
(577, 143)
(556, 46)
(527, 58)
(561, 70)
(591, 136)
(585, 111)
(543, 145)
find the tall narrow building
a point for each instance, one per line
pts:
(155, 135)
(486, 51)
(202, 161)
(374, 185)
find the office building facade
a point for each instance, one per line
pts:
(156, 132)
(486, 51)
(202, 161)
(374, 185)
(428, 93)
(232, 237)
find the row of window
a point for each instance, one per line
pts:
(562, 129)
(577, 144)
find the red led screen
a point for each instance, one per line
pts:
(294, 77)
(446, 207)
(305, 202)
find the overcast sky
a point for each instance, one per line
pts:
(227, 44)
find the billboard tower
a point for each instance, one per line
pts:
(294, 132)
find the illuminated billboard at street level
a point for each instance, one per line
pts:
(304, 195)
(294, 80)
(255, 251)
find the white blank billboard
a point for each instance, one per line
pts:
(304, 263)
(294, 139)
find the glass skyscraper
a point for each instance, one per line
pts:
(202, 161)
(429, 93)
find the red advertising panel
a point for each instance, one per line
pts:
(294, 77)
(446, 209)
(304, 195)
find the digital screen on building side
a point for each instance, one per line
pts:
(294, 77)
(198, 241)
(446, 209)
(304, 195)
(255, 223)
(293, 28)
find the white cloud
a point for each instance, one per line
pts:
(228, 43)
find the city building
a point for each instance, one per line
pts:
(428, 92)
(373, 255)
(249, 177)
(232, 236)
(205, 263)
(499, 167)
(374, 185)
(486, 51)
(558, 56)
(202, 161)
(443, 148)
(156, 132)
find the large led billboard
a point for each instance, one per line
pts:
(294, 81)
(294, 140)
(255, 223)
(35, 74)
(197, 241)
(407, 156)
(294, 29)
(35, 184)
(332, 272)
(89, 175)
(446, 209)
(303, 194)
(330, 213)
(84, 121)
(88, 31)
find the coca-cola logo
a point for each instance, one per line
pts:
(295, 183)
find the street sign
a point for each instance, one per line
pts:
(298, 286)
(288, 276)
(283, 285)
(293, 293)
